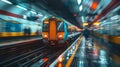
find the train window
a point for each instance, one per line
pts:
(45, 27)
(60, 26)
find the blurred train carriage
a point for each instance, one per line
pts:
(16, 30)
(54, 31)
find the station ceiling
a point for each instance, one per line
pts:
(74, 11)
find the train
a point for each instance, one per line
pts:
(54, 30)
(11, 28)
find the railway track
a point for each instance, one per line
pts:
(16, 61)
(8, 52)
(49, 55)
(28, 59)
(33, 56)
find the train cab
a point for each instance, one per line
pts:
(54, 30)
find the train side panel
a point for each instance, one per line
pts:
(65, 31)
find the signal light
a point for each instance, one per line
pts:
(94, 5)
(75, 14)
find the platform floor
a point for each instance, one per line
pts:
(19, 40)
(90, 54)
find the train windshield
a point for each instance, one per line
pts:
(46, 27)
(60, 26)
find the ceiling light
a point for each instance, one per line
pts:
(80, 8)
(21, 7)
(85, 24)
(82, 17)
(115, 17)
(6, 1)
(24, 16)
(33, 12)
(40, 15)
(79, 1)
(45, 17)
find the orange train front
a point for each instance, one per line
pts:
(54, 31)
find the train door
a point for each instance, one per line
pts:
(52, 29)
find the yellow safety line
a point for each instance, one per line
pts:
(71, 58)
(116, 58)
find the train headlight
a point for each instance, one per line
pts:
(45, 36)
(60, 36)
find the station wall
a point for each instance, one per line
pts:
(12, 22)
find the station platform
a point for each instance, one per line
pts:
(87, 53)
(18, 40)
(91, 55)
(23, 39)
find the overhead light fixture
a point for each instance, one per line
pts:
(96, 23)
(79, 1)
(33, 12)
(85, 24)
(21, 7)
(115, 17)
(24, 16)
(40, 15)
(82, 17)
(6, 1)
(45, 17)
(80, 8)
